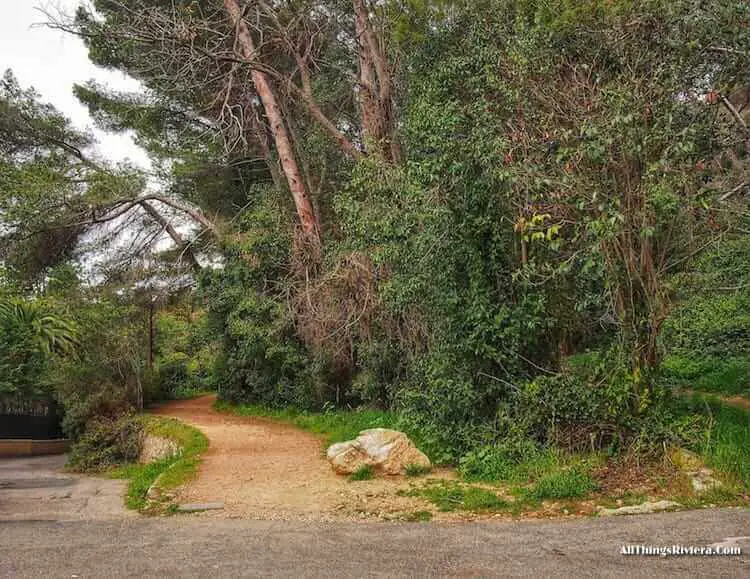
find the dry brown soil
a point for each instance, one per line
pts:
(262, 469)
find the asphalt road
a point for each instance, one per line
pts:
(38, 488)
(54, 524)
(183, 546)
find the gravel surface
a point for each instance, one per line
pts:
(262, 469)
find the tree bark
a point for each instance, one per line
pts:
(305, 212)
(375, 79)
(183, 246)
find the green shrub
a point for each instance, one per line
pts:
(107, 442)
(264, 362)
(500, 462)
(448, 409)
(173, 372)
(109, 377)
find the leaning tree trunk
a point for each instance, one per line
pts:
(279, 131)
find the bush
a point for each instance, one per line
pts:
(570, 412)
(498, 462)
(364, 472)
(107, 442)
(599, 412)
(173, 372)
(451, 412)
(264, 363)
(108, 378)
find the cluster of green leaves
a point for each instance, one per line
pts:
(48, 185)
(109, 376)
(33, 335)
(185, 350)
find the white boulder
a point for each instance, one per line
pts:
(386, 451)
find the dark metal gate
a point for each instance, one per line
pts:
(30, 419)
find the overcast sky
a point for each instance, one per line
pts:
(52, 62)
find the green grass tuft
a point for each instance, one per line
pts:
(364, 472)
(727, 448)
(456, 497)
(565, 484)
(418, 517)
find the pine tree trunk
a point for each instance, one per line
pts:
(279, 131)
(378, 116)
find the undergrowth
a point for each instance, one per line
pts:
(572, 483)
(456, 497)
(726, 376)
(174, 471)
(727, 444)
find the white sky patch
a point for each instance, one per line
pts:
(52, 62)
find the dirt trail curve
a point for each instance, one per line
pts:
(261, 469)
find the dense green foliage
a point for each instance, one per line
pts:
(707, 337)
(32, 336)
(548, 204)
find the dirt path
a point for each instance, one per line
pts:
(262, 469)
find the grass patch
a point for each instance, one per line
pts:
(727, 448)
(498, 464)
(730, 376)
(456, 497)
(364, 472)
(570, 483)
(415, 470)
(176, 470)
